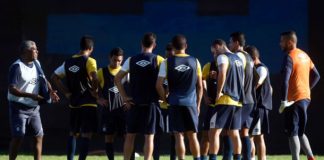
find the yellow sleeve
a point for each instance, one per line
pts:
(159, 60)
(199, 74)
(91, 65)
(100, 77)
(206, 70)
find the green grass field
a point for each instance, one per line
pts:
(60, 157)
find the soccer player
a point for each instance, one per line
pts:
(237, 42)
(260, 123)
(27, 90)
(142, 103)
(113, 115)
(183, 73)
(209, 77)
(299, 77)
(169, 52)
(229, 95)
(81, 90)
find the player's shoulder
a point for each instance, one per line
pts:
(207, 65)
(91, 59)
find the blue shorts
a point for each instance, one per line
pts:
(112, 122)
(296, 118)
(183, 119)
(262, 114)
(247, 117)
(225, 117)
(142, 119)
(24, 118)
(83, 120)
(203, 124)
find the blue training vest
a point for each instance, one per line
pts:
(233, 86)
(182, 80)
(143, 75)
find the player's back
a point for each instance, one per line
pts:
(143, 74)
(299, 79)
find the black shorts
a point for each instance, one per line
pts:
(83, 120)
(247, 116)
(163, 121)
(142, 119)
(206, 119)
(225, 117)
(260, 123)
(24, 118)
(112, 122)
(183, 119)
(296, 118)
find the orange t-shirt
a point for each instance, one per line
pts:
(299, 88)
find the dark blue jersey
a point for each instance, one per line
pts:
(233, 86)
(110, 91)
(78, 81)
(248, 79)
(182, 80)
(143, 71)
(212, 83)
(263, 93)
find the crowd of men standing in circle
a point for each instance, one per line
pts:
(150, 95)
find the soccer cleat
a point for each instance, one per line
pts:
(311, 158)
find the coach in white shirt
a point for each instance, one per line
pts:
(27, 89)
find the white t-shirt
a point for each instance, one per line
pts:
(262, 72)
(125, 66)
(24, 78)
(60, 71)
(222, 59)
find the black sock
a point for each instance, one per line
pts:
(212, 156)
(173, 155)
(228, 148)
(133, 155)
(236, 157)
(71, 145)
(110, 151)
(246, 148)
(84, 147)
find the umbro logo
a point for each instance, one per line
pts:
(143, 63)
(74, 68)
(182, 68)
(33, 81)
(238, 63)
(113, 89)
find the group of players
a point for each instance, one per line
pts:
(149, 95)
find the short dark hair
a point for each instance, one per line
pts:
(239, 37)
(148, 39)
(86, 42)
(253, 51)
(116, 52)
(290, 35)
(179, 42)
(218, 42)
(169, 47)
